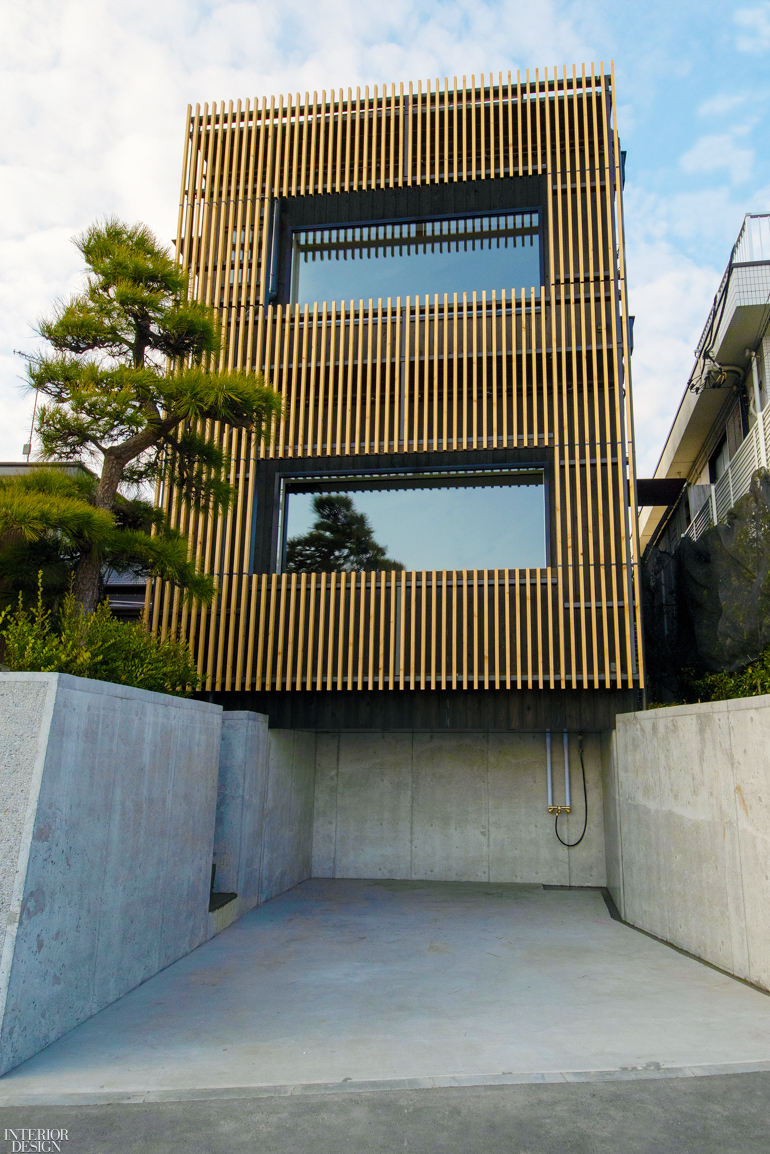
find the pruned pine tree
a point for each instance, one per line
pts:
(340, 541)
(128, 384)
(48, 518)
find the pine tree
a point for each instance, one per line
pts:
(129, 389)
(341, 540)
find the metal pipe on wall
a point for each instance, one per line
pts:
(549, 768)
(557, 809)
(567, 800)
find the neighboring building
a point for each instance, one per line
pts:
(15, 468)
(704, 604)
(435, 280)
(126, 592)
(721, 431)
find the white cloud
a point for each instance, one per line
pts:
(94, 95)
(722, 103)
(756, 22)
(718, 152)
(671, 298)
(670, 295)
(701, 225)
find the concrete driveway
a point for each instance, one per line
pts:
(341, 986)
(724, 1114)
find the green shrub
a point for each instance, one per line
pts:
(94, 645)
(752, 680)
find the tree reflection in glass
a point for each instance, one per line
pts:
(341, 540)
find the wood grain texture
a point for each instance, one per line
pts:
(506, 368)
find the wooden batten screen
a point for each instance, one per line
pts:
(505, 368)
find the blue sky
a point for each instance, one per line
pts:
(94, 92)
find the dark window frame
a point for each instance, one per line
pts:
(450, 199)
(531, 210)
(272, 475)
(714, 459)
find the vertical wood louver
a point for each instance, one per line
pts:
(506, 368)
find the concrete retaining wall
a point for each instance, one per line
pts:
(241, 792)
(452, 807)
(688, 829)
(287, 849)
(264, 830)
(107, 843)
(111, 814)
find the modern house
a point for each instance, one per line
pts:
(433, 275)
(428, 621)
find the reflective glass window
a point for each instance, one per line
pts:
(464, 521)
(412, 258)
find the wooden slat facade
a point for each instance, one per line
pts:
(503, 369)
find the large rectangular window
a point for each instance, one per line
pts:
(484, 519)
(412, 258)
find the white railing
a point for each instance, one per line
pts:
(702, 520)
(752, 245)
(736, 479)
(753, 241)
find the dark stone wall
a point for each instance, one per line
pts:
(706, 603)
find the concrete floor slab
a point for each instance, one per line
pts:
(341, 982)
(719, 1115)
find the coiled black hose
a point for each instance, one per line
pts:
(572, 844)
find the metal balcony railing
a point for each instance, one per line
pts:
(751, 247)
(736, 480)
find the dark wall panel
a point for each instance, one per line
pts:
(589, 711)
(422, 201)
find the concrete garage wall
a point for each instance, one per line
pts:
(288, 827)
(612, 852)
(452, 807)
(264, 830)
(688, 829)
(111, 796)
(243, 760)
